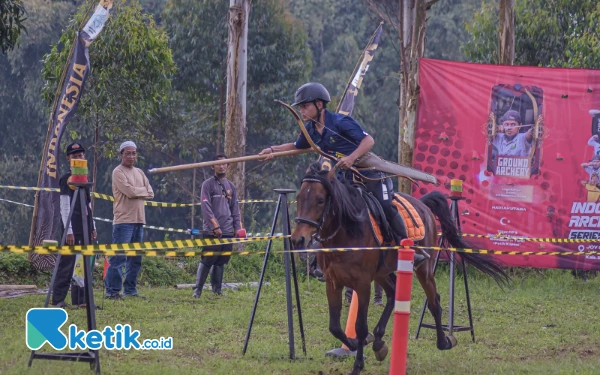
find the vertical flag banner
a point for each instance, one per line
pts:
(48, 211)
(346, 104)
(524, 141)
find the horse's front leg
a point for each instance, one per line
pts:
(334, 299)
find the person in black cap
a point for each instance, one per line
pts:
(74, 234)
(344, 138)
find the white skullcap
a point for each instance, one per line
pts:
(127, 144)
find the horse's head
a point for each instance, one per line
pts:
(326, 207)
(313, 204)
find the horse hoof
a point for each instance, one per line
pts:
(452, 342)
(381, 353)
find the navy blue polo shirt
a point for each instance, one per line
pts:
(341, 135)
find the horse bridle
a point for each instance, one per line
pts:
(319, 225)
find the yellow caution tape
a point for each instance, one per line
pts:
(138, 249)
(147, 203)
(164, 245)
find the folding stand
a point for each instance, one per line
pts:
(282, 204)
(90, 356)
(450, 327)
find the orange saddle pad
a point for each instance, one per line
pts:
(412, 221)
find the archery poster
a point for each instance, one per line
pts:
(525, 142)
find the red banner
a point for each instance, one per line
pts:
(524, 141)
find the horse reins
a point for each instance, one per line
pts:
(319, 226)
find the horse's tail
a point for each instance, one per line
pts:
(437, 203)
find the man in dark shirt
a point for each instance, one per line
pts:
(221, 219)
(74, 233)
(342, 137)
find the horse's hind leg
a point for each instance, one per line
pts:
(426, 278)
(334, 299)
(388, 283)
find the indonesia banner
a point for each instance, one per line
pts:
(524, 141)
(48, 211)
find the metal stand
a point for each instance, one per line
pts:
(288, 259)
(450, 327)
(90, 356)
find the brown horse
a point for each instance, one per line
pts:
(332, 212)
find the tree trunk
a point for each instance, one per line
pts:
(220, 125)
(409, 82)
(506, 37)
(235, 118)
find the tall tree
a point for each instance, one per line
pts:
(408, 18)
(561, 33)
(506, 33)
(237, 80)
(12, 17)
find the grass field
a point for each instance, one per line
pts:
(547, 323)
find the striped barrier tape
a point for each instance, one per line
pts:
(19, 203)
(165, 204)
(153, 250)
(531, 239)
(148, 203)
(165, 229)
(151, 245)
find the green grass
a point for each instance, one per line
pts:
(542, 324)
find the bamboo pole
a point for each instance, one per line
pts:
(226, 161)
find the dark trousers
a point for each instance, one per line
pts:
(377, 189)
(217, 260)
(124, 233)
(64, 276)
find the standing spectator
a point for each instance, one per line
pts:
(131, 189)
(221, 219)
(74, 230)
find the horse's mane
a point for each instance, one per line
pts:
(347, 204)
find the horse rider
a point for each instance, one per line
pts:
(343, 137)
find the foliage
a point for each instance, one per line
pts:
(446, 28)
(130, 77)
(557, 33)
(12, 18)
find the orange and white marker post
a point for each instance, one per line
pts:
(402, 309)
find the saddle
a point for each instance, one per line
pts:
(381, 228)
